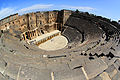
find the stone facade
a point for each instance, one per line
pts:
(34, 24)
(8, 21)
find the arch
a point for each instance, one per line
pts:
(40, 22)
(23, 19)
(5, 25)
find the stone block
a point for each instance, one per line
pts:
(78, 62)
(117, 64)
(95, 67)
(12, 70)
(105, 76)
(3, 65)
(29, 73)
(111, 70)
(97, 78)
(117, 76)
(2, 77)
(75, 74)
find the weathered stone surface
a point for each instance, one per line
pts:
(76, 74)
(97, 78)
(117, 64)
(12, 70)
(95, 67)
(105, 76)
(78, 62)
(117, 76)
(109, 61)
(111, 70)
(3, 65)
(2, 77)
(30, 73)
(58, 67)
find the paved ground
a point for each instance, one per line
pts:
(55, 43)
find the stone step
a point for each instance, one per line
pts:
(117, 64)
(117, 76)
(3, 65)
(12, 71)
(75, 74)
(102, 76)
(78, 62)
(95, 67)
(111, 70)
(29, 73)
(2, 77)
(105, 76)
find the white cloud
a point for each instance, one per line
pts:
(35, 7)
(4, 12)
(77, 7)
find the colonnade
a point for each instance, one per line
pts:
(47, 38)
(30, 34)
(35, 33)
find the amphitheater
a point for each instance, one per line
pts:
(59, 45)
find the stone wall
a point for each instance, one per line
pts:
(44, 22)
(87, 30)
(6, 22)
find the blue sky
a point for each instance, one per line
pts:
(106, 8)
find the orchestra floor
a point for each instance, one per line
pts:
(55, 43)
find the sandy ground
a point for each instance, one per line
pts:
(55, 43)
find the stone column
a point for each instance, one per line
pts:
(33, 34)
(30, 35)
(61, 27)
(36, 33)
(56, 26)
(24, 36)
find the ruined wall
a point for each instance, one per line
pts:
(66, 14)
(38, 22)
(6, 22)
